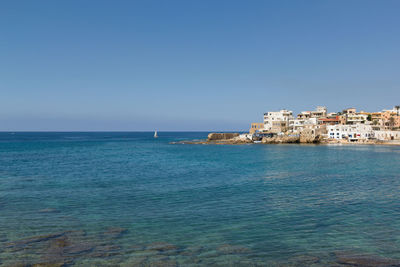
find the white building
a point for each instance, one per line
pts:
(350, 132)
(278, 119)
(387, 135)
(300, 124)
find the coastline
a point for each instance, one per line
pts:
(206, 142)
(234, 139)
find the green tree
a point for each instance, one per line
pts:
(369, 118)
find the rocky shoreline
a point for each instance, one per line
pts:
(238, 139)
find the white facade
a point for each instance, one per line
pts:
(300, 124)
(387, 135)
(350, 132)
(272, 118)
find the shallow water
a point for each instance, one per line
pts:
(127, 199)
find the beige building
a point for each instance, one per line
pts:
(390, 119)
(278, 121)
(349, 111)
(319, 112)
(354, 118)
(256, 126)
(386, 119)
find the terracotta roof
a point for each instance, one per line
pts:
(330, 119)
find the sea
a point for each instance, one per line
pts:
(129, 199)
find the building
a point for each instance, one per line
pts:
(319, 112)
(350, 132)
(312, 132)
(278, 121)
(348, 124)
(304, 115)
(330, 120)
(354, 118)
(395, 110)
(256, 126)
(387, 135)
(388, 119)
(351, 116)
(300, 124)
(349, 111)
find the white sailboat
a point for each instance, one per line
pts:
(155, 134)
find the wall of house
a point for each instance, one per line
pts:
(387, 135)
(256, 127)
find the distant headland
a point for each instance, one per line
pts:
(318, 126)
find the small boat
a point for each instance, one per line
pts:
(155, 134)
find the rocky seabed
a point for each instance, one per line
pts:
(77, 248)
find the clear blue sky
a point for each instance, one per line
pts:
(191, 65)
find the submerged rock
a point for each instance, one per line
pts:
(17, 264)
(365, 260)
(135, 261)
(303, 260)
(114, 232)
(161, 247)
(159, 261)
(192, 251)
(60, 242)
(78, 249)
(48, 264)
(21, 244)
(232, 249)
(104, 251)
(3, 238)
(67, 248)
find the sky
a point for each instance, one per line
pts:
(191, 65)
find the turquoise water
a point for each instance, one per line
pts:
(127, 199)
